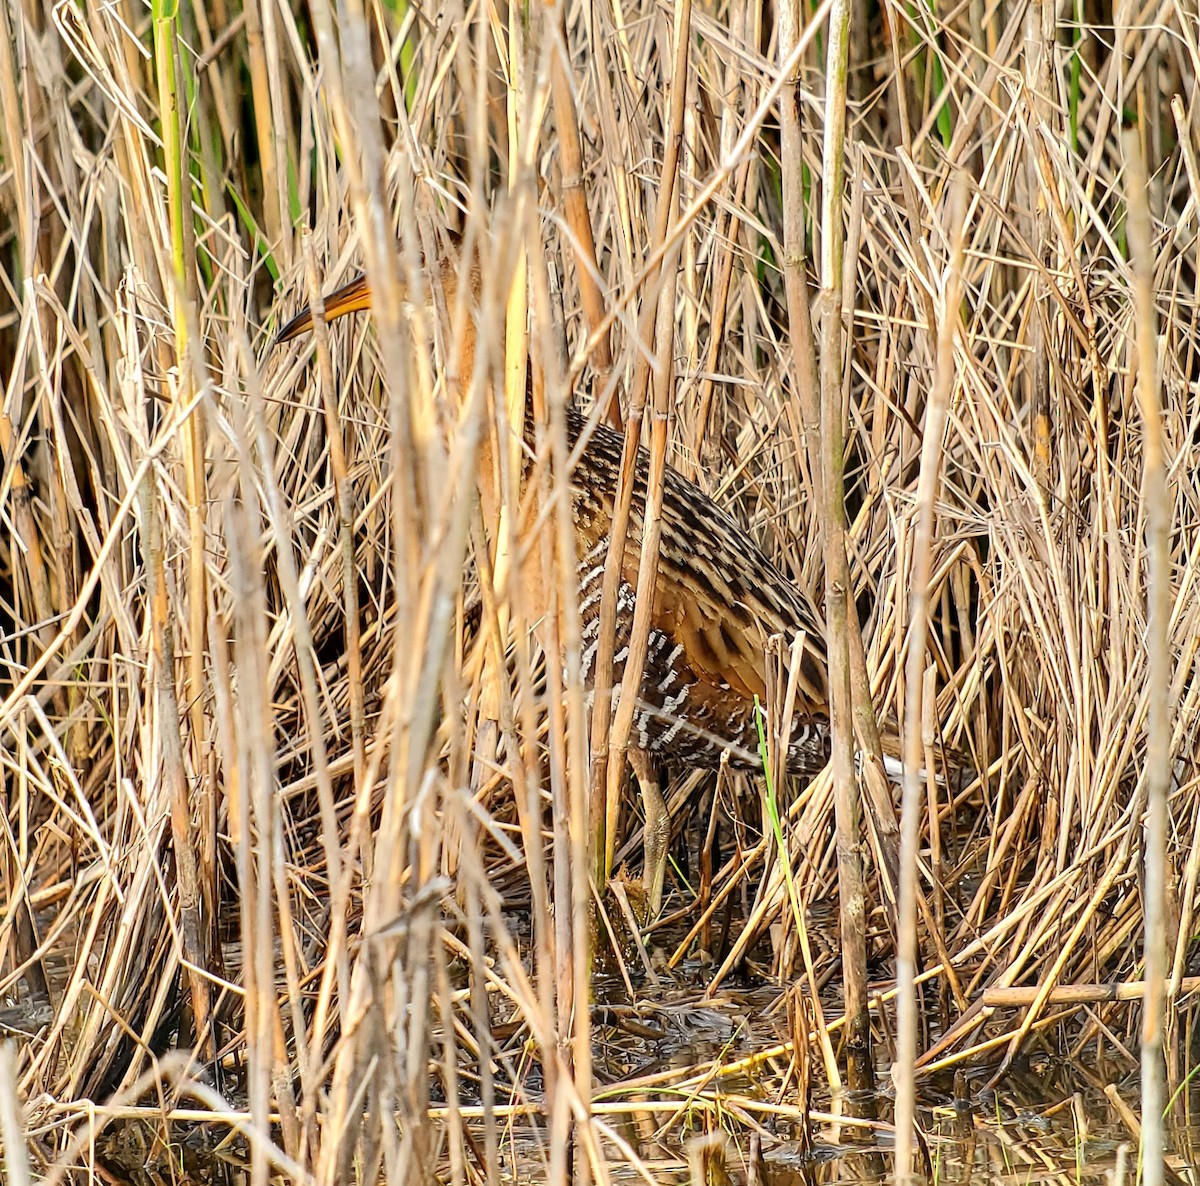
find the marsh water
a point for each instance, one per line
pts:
(1044, 1120)
(1044, 1124)
(704, 1087)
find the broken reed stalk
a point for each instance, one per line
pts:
(1081, 994)
(12, 1121)
(1157, 775)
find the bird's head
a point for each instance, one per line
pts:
(449, 277)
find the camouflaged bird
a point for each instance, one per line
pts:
(717, 600)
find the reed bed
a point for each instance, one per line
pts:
(297, 816)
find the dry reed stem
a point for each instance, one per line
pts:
(1157, 778)
(847, 805)
(917, 701)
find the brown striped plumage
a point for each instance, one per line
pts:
(718, 598)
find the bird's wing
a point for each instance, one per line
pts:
(720, 598)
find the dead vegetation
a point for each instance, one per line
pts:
(268, 803)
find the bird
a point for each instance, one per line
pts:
(718, 598)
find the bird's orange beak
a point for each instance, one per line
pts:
(350, 298)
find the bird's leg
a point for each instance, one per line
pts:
(658, 829)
